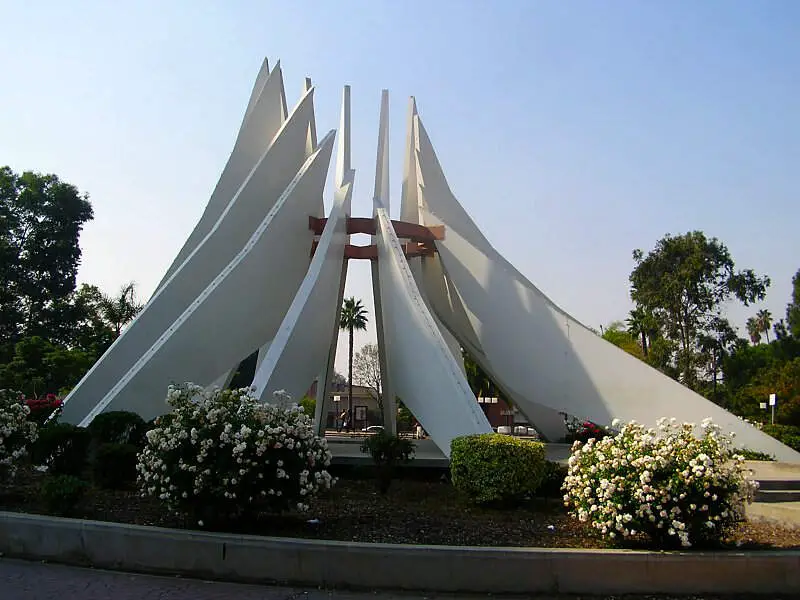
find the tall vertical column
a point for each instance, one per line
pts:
(380, 200)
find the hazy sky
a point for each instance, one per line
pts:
(572, 132)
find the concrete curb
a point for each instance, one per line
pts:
(387, 566)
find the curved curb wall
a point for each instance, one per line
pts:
(430, 568)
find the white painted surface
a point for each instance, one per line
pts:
(256, 196)
(241, 307)
(538, 352)
(421, 366)
(265, 114)
(300, 349)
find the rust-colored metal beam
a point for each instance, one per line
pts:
(403, 229)
(370, 252)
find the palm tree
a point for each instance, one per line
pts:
(754, 330)
(353, 317)
(764, 320)
(120, 310)
(641, 324)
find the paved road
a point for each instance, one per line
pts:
(20, 580)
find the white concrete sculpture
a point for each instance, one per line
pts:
(263, 270)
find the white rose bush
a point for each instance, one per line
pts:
(17, 433)
(671, 483)
(224, 455)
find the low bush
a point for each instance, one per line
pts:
(748, 454)
(496, 469)
(17, 433)
(553, 480)
(62, 448)
(114, 465)
(387, 451)
(43, 408)
(786, 434)
(62, 493)
(222, 455)
(118, 427)
(674, 484)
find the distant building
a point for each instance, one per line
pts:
(367, 411)
(365, 406)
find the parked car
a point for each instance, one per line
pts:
(373, 429)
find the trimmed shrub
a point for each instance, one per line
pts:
(674, 484)
(222, 455)
(17, 433)
(786, 434)
(553, 480)
(62, 448)
(62, 493)
(114, 465)
(748, 454)
(493, 468)
(118, 427)
(387, 451)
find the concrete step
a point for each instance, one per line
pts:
(785, 514)
(778, 484)
(779, 495)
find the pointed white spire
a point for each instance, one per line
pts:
(409, 210)
(343, 147)
(312, 127)
(381, 196)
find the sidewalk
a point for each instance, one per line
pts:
(779, 480)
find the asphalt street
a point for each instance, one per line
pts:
(21, 580)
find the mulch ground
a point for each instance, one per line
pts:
(413, 512)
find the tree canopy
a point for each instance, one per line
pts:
(684, 282)
(793, 308)
(50, 331)
(41, 219)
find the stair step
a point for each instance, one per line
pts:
(778, 495)
(778, 484)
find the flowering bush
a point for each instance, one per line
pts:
(666, 483)
(223, 454)
(42, 408)
(16, 432)
(583, 431)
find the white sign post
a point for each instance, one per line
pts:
(772, 401)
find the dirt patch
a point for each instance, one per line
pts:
(413, 512)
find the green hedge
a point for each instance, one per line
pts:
(787, 434)
(114, 465)
(63, 448)
(118, 427)
(496, 469)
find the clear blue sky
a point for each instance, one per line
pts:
(573, 132)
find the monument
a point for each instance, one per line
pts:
(264, 269)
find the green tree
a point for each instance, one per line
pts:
(715, 344)
(793, 308)
(41, 219)
(309, 406)
(684, 282)
(353, 318)
(479, 382)
(754, 330)
(39, 367)
(764, 320)
(119, 310)
(780, 329)
(367, 372)
(617, 334)
(643, 325)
